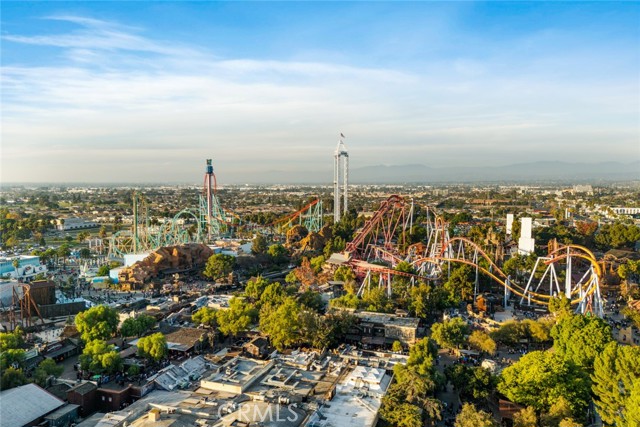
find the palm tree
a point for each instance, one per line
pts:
(16, 265)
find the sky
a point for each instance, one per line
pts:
(146, 91)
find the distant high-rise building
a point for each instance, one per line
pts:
(526, 244)
(509, 227)
(340, 169)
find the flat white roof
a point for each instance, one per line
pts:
(357, 400)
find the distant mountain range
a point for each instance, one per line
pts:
(545, 171)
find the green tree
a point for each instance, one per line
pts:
(274, 294)
(376, 299)
(153, 347)
(633, 408)
(137, 326)
(560, 410)
(255, 287)
(103, 270)
(96, 323)
(541, 377)
(9, 340)
(560, 306)
(281, 324)
(397, 347)
(259, 245)
(12, 377)
(12, 357)
(205, 316)
(100, 357)
(63, 252)
(481, 341)
(580, 338)
(344, 274)
(469, 416)
(450, 333)
(510, 332)
(219, 266)
(311, 299)
(133, 370)
(46, 368)
(85, 253)
(278, 253)
(538, 330)
(237, 318)
(460, 284)
(317, 263)
(526, 418)
(615, 371)
(421, 356)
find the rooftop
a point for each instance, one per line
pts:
(22, 405)
(387, 319)
(357, 401)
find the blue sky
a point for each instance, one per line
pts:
(145, 91)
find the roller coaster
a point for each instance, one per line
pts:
(202, 224)
(380, 245)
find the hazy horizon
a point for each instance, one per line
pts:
(144, 92)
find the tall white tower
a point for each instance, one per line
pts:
(340, 169)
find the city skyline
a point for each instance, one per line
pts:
(144, 92)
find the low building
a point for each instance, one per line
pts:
(237, 375)
(257, 347)
(382, 329)
(29, 266)
(63, 417)
(356, 401)
(26, 405)
(85, 396)
(67, 224)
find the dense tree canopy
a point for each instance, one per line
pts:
(540, 378)
(137, 326)
(450, 333)
(219, 266)
(255, 287)
(205, 316)
(97, 323)
(282, 323)
(100, 357)
(12, 377)
(45, 369)
(616, 374)
(469, 416)
(580, 338)
(237, 318)
(481, 341)
(153, 347)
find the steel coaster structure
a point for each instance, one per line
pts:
(202, 224)
(311, 216)
(381, 240)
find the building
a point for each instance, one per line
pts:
(526, 244)
(237, 375)
(28, 268)
(257, 347)
(26, 405)
(356, 401)
(85, 396)
(382, 329)
(43, 292)
(67, 224)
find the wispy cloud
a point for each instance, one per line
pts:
(111, 102)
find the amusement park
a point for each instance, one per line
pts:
(399, 286)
